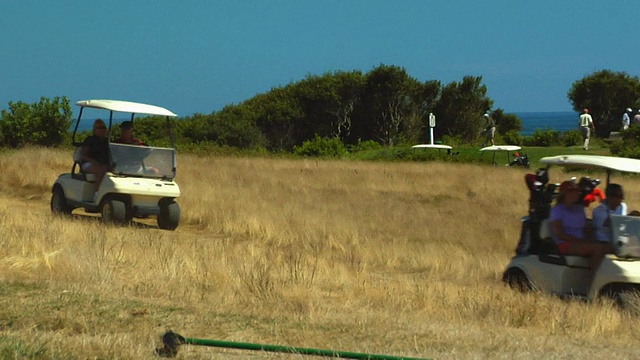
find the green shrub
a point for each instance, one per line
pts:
(629, 146)
(44, 123)
(321, 147)
(365, 146)
(513, 137)
(452, 140)
(546, 137)
(571, 138)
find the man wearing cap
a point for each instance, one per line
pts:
(585, 126)
(126, 135)
(568, 221)
(626, 120)
(611, 205)
(491, 129)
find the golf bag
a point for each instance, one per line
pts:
(541, 194)
(520, 160)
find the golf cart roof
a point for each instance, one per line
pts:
(431, 146)
(607, 162)
(125, 106)
(501, 148)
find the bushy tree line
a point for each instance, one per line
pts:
(385, 106)
(44, 123)
(606, 94)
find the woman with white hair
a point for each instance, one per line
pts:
(626, 120)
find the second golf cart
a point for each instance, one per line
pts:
(538, 264)
(140, 181)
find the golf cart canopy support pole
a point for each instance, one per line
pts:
(172, 341)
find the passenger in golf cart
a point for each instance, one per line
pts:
(550, 240)
(569, 227)
(132, 161)
(95, 152)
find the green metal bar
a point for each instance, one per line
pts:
(294, 350)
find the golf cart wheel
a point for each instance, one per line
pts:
(114, 211)
(517, 280)
(59, 203)
(625, 296)
(169, 215)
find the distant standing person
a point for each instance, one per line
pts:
(491, 129)
(636, 119)
(586, 125)
(626, 120)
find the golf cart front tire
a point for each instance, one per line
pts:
(59, 203)
(114, 211)
(169, 215)
(517, 280)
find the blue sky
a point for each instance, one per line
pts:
(198, 56)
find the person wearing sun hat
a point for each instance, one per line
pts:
(568, 221)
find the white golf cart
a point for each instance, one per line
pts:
(518, 160)
(537, 263)
(139, 184)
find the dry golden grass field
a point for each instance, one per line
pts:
(403, 259)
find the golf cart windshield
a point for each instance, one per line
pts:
(143, 161)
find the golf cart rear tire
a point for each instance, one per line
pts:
(517, 280)
(169, 215)
(59, 203)
(625, 296)
(114, 211)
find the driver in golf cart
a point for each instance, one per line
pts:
(131, 162)
(569, 224)
(126, 135)
(95, 152)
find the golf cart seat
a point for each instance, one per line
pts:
(552, 255)
(77, 163)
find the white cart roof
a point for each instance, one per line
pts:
(431, 146)
(501, 148)
(125, 106)
(606, 162)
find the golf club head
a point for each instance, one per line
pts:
(171, 342)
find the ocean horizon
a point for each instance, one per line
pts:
(547, 120)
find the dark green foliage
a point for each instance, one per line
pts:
(322, 147)
(452, 140)
(512, 137)
(461, 108)
(571, 138)
(506, 122)
(629, 146)
(276, 115)
(546, 137)
(606, 94)
(391, 104)
(365, 146)
(44, 123)
(152, 130)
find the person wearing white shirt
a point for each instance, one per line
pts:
(586, 125)
(612, 204)
(626, 120)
